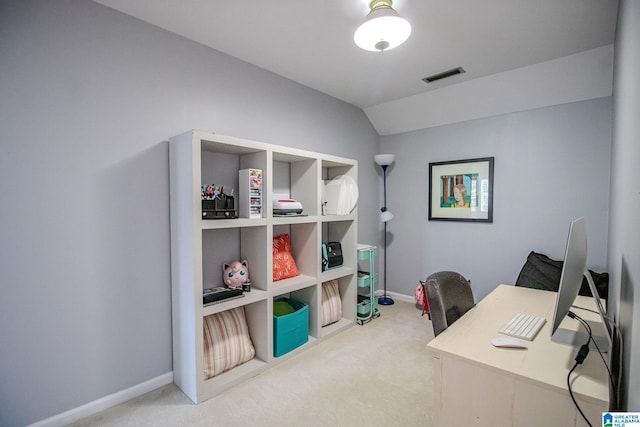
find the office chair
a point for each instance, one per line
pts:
(449, 296)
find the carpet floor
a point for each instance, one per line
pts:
(377, 374)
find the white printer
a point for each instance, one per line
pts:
(285, 206)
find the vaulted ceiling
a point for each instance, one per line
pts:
(312, 42)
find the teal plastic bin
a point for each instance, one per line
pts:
(290, 331)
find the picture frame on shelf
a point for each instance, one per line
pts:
(461, 190)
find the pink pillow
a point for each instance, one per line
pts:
(284, 266)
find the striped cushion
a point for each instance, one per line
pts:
(331, 302)
(226, 341)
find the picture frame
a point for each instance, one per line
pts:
(461, 190)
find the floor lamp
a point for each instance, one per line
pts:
(384, 160)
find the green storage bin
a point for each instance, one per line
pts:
(364, 279)
(290, 331)
(367, 253)
(364, 305)
(364, 308)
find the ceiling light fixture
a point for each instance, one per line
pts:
(383, 28)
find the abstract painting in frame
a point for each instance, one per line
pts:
(461, 190)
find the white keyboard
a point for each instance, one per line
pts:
(523, 326)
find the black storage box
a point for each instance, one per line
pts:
(221, 207)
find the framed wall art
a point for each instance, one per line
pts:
(461, 190)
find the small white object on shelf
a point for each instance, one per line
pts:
(286, 206)
(340, 195)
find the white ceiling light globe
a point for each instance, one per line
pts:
(382, 30)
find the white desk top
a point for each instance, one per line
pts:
(544, 362)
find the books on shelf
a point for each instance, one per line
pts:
(250, 182)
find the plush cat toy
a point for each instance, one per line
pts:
(234, 275)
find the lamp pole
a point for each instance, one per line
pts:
(384, 186)
(385, 300)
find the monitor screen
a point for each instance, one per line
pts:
(575, 262)
(573, 271)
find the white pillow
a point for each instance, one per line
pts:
(331, 302)
(227, 343)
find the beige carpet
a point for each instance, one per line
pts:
(378, 374)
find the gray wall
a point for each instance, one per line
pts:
(89, 99)
(624, 225)
(551, 166)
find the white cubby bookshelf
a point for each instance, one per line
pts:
(199, 247)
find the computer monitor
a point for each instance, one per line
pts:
(573, 271)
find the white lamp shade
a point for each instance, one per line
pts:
(383, 29)
(386, 216)
(384, 159)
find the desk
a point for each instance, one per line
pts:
(481, 385)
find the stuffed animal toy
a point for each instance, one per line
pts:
(236, 274)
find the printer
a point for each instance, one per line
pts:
(284, 206)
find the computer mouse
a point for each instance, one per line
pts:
(508, 342)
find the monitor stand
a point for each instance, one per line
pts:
(599, 330)
(577, 338)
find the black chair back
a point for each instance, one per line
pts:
(449, 295)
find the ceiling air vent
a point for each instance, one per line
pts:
(443, 75)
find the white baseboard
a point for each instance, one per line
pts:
(106, 402)
(401, 297)
(117, 398)
(397, 296)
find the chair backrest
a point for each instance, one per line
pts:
(449, 295)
